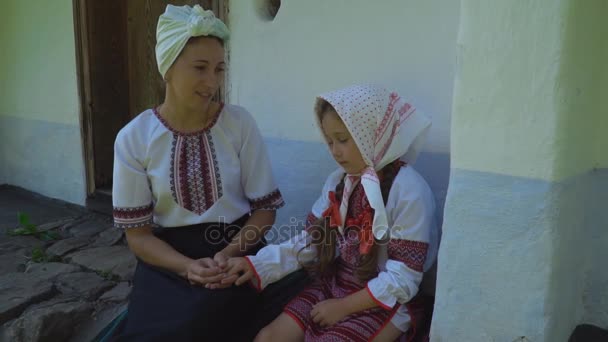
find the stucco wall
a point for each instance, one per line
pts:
(38, 61)
(40, 146)
(2, 169)
(523, 196)
(601, 153)
(580, 90)
(278, 67)
(44, 157)
(502, 85)
(595, 296)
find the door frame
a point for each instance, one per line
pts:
(84, 92)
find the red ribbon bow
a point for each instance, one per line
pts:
(333, 212)
(366, 234)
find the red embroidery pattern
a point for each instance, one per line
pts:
(132, 217)
(357, 203)
(412, 253)
(356, 327)
(404, 113)
(272, 201)
(176, 132)
(370, 175)
(359, 221)
(195, 179)
(387, 115)
(388, 143)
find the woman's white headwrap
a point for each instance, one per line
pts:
(180, 23)
(385, 128)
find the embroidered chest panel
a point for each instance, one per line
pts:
(195, 179)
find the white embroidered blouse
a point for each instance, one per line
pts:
(173, 179)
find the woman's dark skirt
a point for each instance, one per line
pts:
(165, 307)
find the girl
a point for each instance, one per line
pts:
(371, 235)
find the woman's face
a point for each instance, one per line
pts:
(198, 72)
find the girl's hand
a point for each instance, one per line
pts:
(328, 312)
(238, 269)
(222, 260)
(203, 271)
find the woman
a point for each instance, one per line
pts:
(199, 170)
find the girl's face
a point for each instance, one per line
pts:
(341, 144)
(198, 72)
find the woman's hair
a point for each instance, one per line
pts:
(324, 238)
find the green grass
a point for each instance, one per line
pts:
(27, 228)
(108, 275)
(39, 256)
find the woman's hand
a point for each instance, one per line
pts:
(204, 272)
(239, 271)
(329, 312)
(221, 260)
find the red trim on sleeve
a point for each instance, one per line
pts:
(296, 319)
(257, 276)
(380, 304)
(390, 318)
(272, 201)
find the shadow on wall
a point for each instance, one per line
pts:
(302, 167)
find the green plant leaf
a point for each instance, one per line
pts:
(15, 232)
(38, 255)
(31, 227)
(20, 231)
(23, 219)
(25, 227)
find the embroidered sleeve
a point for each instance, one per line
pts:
(125, 217)
(131, 194)
(412, 216)
(411, 253)
(257, 179)
(272, 201)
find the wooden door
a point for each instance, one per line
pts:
(106, 94)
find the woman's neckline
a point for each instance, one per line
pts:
(216, 116)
